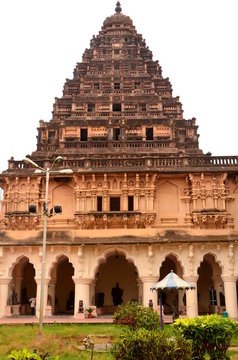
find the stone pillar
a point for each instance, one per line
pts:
(77, 200)
(217, 287)
(4, 285)
(191, 297)
(140, 291)
(148, 282)
(146, 200)
(93, 201)
(230, 295)
(51, 292)
(18, 282)
(83, 202)
(92, 293)
(151, 200)
(38, 290)
(137, 193)
(136, 200)
(104, 201)
(82, 292)
(124, 205)
(180, 300)
(110, 133)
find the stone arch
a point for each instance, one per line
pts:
(57, 258)
(61, 288)
(23, 187)
(22, 286)
(216, 257)
(112, 251)
(177, 258)
(172, 299)
(210, 284)
(17, 260)
(115, 272)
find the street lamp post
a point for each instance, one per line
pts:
(47, 173)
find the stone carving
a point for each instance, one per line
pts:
(21, 222)
(212, 219)
(110, 220)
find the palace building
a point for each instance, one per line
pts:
(142, 199)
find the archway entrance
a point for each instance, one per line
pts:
(116, 273)
(61, 287)
(173, 300)
(211, 297)
(22, 287)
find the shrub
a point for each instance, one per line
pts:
(135, 315)
(23, 355)
(142, 344)
(210, 334)
(27, 355)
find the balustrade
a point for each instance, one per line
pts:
(156, 162)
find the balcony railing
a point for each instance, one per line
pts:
(144, 163)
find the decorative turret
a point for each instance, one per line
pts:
(118, 7)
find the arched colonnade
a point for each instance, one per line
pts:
(89, 275)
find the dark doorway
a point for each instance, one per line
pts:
(115, 204)
(99, 203)
(64, 287)
(84, 134)
(130, 203)
(116, 107)
(149, 134)
(116, 134)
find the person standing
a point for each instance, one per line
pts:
(33, 305)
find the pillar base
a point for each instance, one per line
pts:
(16, 309)
(48, 310)
(8, 310)
(80, 316)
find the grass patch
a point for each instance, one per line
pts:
(65, 339)
(58, 339)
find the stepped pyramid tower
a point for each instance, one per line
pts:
(117, 105)
(140, 198)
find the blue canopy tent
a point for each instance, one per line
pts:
(170, 281)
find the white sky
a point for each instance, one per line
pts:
(195, 41)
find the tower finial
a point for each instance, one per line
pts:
(118, 7)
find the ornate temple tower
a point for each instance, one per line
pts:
(143, 198)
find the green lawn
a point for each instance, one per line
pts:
(58, 339)
(65, 339)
